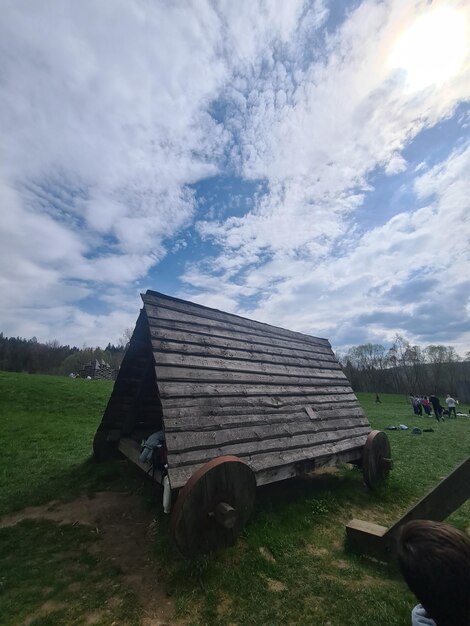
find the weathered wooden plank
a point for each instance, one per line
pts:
(170, 359)
(218, 422)
(261, 402)
(447, 496)
(182, 308)
(186, 441)
(188, 342)
(169, 389)
(215, 329)
(366, 537)
(210, 413)
(187, 375)
(263, 462)
(276, 474)
(249, 360)
(275, 445)
(437, 504)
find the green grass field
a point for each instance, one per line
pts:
(289, 567)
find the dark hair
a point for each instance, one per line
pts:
(434, 559)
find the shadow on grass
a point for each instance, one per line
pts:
(87, 478)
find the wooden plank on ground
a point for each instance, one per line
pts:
(442, 500)
(447, 496)
(366, 537)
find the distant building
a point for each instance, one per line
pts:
(97, 369)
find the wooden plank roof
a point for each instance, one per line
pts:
(230, 385)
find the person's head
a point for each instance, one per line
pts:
(434, 559)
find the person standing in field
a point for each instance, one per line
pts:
(436, 405)
(426, 405)
(419, 408)
(450, 405)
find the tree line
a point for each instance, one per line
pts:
(401, 368)
(405, 368)
(30, 355)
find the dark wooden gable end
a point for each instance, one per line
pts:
(220, 384)
(230, 385)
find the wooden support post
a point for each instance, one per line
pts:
(437, 505)
(366, 537)
(131, 450)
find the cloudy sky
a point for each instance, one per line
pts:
(303, 163)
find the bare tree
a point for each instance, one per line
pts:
(126, 338)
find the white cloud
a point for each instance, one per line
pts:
(342, 118)
(109, 114)
(104, 124)
(377, 279)
(395, 165)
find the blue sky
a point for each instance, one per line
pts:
(303, 163)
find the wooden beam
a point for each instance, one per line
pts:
(132, 450)
(447, 496)
(442, 500)
(366, 537)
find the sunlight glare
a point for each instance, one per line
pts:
(433, 48)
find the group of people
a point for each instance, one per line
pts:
(433, 404)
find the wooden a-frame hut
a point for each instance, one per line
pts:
(219, 384)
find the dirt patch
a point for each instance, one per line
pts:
(340, 564)
(320, 471)
(328, 470)
(224, 605)
(357, 584)
(51, 606)
(369, 581)
(314, 551)
(275, 585)
(94, 618)
(267, 554)
(125, 532)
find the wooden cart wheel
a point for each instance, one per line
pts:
(213, 506)
(376, 459)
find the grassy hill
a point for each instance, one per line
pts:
(289, 567)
